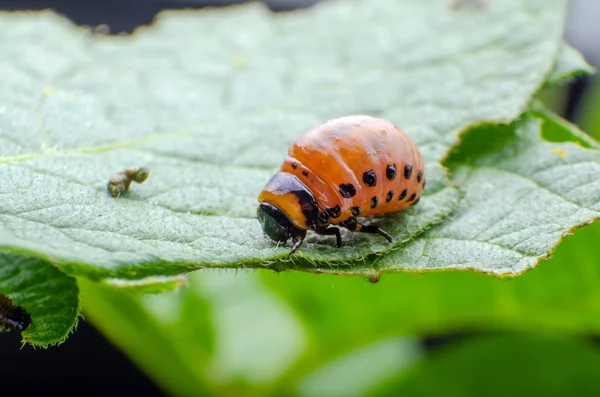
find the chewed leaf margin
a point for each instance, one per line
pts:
(508, 253)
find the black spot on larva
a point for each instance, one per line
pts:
(355, 211)
(403, 195)
(407, 171)
(423, 183)
(416, 201)
(305, 173)
(334, 212)
(414, 196)
(323, 217)
(390, 172)
(294, 166)
(369, 178)
(419, 176)
(389, 196)
(347, 190)
(374, 202)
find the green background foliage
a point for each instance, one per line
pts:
(521, 365)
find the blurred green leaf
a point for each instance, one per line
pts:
(147, 340)
(589, 117)
(213, 118)
(221, 334)
(362, 369)
(45, 293)
(509, 365)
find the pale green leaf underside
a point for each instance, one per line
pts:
(211, 101)
(150, 285)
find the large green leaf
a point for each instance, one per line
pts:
(360, 370)
(589, 118)
(211, 101)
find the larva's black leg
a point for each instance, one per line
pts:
(297, 242)
(352, 225)
(374, 229)
(12, 324)
(330, 231)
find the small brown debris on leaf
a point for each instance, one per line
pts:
(119, 183)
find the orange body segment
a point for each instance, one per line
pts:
(341, 151)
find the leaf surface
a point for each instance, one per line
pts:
(210, 103)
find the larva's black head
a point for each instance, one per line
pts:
(275, 223)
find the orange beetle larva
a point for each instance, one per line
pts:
(344, 168)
